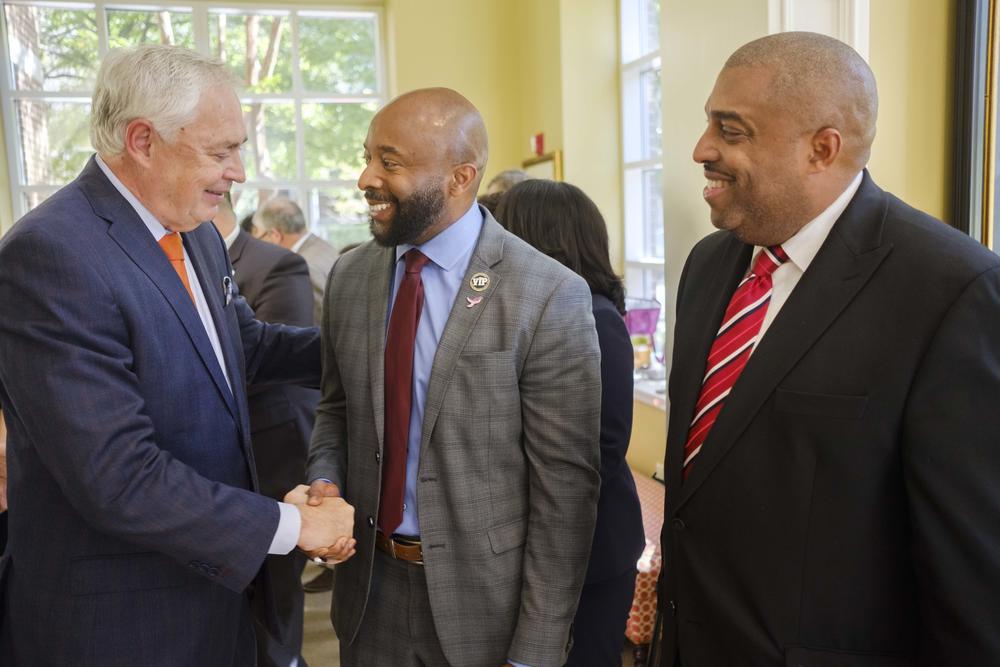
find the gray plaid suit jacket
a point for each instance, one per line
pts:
(509, 457)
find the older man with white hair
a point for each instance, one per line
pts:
(136, 534)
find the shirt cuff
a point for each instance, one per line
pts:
(516, 664)
(289, 526)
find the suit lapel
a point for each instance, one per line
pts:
(844, 264)
(461, 321)
(696, 339)
(212, 288)
(131, 235)
(379, 274)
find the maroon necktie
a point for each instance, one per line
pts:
(399, 389)
(732, 347)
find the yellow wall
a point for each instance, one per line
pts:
(912, 55)
(649, 432)
(468, 46)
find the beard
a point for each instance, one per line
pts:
(413, 216)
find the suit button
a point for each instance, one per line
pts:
(378, 457)
(678, 524)
(371, 522)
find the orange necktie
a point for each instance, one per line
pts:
(174, 250)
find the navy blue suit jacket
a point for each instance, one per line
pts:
(134, 525)
(618, 536)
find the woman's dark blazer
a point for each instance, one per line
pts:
(619, 537)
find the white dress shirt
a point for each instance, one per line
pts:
(801, 249)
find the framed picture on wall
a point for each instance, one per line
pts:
(548, 166)
(976, 192)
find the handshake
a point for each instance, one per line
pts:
(327, 522)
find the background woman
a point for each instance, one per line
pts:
(562, 222)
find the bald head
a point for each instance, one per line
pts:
(454, 124)
(821, 82)
(425, 154)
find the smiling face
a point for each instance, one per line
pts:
(404, 179)
(185, 179)
(756, 158)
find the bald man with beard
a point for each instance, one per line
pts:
(834, 444)
(459, 414)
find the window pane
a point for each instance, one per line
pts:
(128, 28)
(640, 28)
(334, 138)
(650, 107)
(256, 47)
(338, 54)
(652, 212)
(269, 153)
(55, 140)
(650, 18)
(247, 200)
(340, 215)
(52, 49)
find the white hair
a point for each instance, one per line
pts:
(160, 83)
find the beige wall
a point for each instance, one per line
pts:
(912, 55)
(649, 432)
(467, 46)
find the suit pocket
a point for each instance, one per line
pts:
(508, 536)
(93, 575)
(797, 656)
(834, 406)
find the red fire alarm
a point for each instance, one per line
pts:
(538, 144)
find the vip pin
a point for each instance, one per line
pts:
(479, 282)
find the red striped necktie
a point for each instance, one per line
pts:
(732, 347)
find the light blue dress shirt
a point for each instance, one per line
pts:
(450, 253)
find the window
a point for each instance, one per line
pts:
(642, 128)
(312, 79)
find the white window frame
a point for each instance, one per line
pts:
(641, 267)
(301, 186)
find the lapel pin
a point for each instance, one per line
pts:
(227, 289)
(473, 301)
(479, 282)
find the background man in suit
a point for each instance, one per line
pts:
(135, 530)
(275, 283)
(280, 221)
(461, 384)
(839, 505)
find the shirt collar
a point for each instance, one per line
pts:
(298, 244)
(232, 237)
(152, 224)
(803, 246)
(453, 243)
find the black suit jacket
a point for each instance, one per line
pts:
(618, 536)
(275, 282)
(844, 509)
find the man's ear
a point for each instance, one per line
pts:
(462, 178)
(139, 139)
(826, 145)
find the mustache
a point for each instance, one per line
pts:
(374, 195)
(713, 167)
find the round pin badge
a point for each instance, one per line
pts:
(479, 282)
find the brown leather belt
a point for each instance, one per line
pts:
(408, 550)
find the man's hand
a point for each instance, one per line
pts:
(319, 490)
(327, 528)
